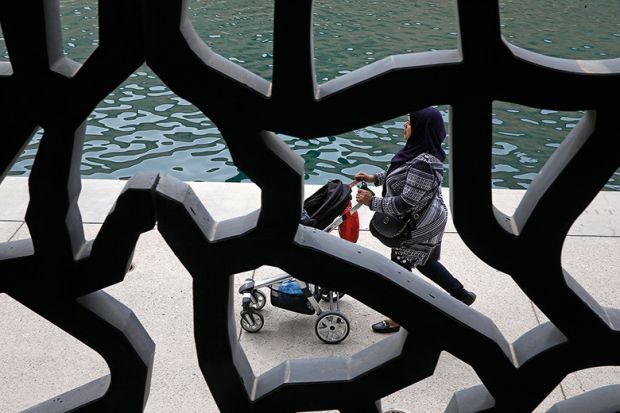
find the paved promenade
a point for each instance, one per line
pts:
(39, 362)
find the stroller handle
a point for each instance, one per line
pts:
(340, 219)
(362, 185)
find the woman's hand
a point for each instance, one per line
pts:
(363, 197)
(363, 176)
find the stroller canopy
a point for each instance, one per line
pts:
(327, 203)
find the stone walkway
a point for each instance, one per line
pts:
(39, 362)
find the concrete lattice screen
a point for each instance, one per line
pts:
(59, 275)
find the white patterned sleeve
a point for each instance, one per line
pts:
(380, 178)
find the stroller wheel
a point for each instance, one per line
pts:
(332, 327)
(251, 321)
(258, 300)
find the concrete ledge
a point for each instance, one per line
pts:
(226, 200)
(73, 398)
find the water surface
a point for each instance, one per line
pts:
(143, 125)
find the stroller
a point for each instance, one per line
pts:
(326, 209)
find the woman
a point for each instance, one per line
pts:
(411, 183)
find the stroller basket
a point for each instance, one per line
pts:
(292, 302)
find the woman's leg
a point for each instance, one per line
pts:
(442, 277)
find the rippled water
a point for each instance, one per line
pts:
(144, 126)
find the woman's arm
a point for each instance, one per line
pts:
(376, 179)
(380, 178)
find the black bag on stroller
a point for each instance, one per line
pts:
(326, 204)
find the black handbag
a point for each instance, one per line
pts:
(393, 231)
(390, 230)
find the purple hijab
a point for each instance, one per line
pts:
(427, 134)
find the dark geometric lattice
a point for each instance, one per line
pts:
(59, 275)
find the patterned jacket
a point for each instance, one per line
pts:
(407, 190)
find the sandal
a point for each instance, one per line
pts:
(384, 327)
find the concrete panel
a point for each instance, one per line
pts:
(39, 361)
(433, 394)
(8, 230)
(582, 381)
(22, 232)
(594, 263)
(601, 217)
(97, 198)
(225, 200)
(13, 198)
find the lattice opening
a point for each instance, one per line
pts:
(94, 208)
(23, 164)
(579, 383)
(298, 330)
(434, 393)
(523, 137)
(614, 181)
(43, 347)
(239, 31)
(80, 28)
(589, 260)
(498, 297)
(5, 65)
(577, 30)
(348, 36)
(144, 126)
(4, 53)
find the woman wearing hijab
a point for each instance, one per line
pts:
(412, 185)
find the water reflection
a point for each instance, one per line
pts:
(576, 30)
(144, 126)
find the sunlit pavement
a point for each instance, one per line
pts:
(39, 362)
